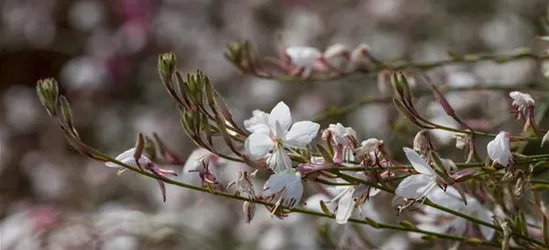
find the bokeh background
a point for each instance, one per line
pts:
(104, 53)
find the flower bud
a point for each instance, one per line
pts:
(48, 93)
(166, 66)
(443, 101)
(249, 210)
(360, 58)
(66, 112)
(422, 142)
(336, 50)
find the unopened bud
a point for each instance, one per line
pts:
(443, 101)
(66, 111)
(336, 50)
(401, 86)
(249, 210)
(360, 58)
(48, 93)
(422, 142)
(166, 66)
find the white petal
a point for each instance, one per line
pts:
(303, 56)
(498, 149)
(413, 186)
(258, 145)
(487, 232)
(418, 163)
(302, 133)
(259, 119)
(275, 183)
(294, 191)
(279, 161)
(345, 207)
(459, 225)
(280, 114)
(127, 158)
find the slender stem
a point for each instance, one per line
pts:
(448, 210)
(517, 54)
(297, 210)
(335, 112)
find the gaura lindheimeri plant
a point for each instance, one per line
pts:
(451, 202)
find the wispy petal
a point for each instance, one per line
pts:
(487, 232)
(281, 114)
(414, 186)
(345, 207)
(420, 165)
(259, 119)
(302, 133)
(258, 144)
(279, 161)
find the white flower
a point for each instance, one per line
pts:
(339, 134)
(498, 149)
(348, 199)
(206, 164)
(418, 185)
(285, 187)
(521, 100)
(442, 222)
(127, 157)
(523, 104)
(303, 56)
(274, 131)
(368, 146)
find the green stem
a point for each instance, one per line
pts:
(335, 112)
(517, 54)
(296, 210)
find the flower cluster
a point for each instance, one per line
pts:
(449, 200)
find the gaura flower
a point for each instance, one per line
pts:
(243, 184)
(522, 103)
(343, 139)
(143, 162)
(368, 147)
(349, 198)
(285, 188)
(440, 221)
(498, 149)
(274, 132)
(206, 164)
(418, 185)
(339, 134)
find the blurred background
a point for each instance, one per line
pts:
(104, 54)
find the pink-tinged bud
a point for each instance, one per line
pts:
(337, 50)
(443, 101)
(362, 59)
